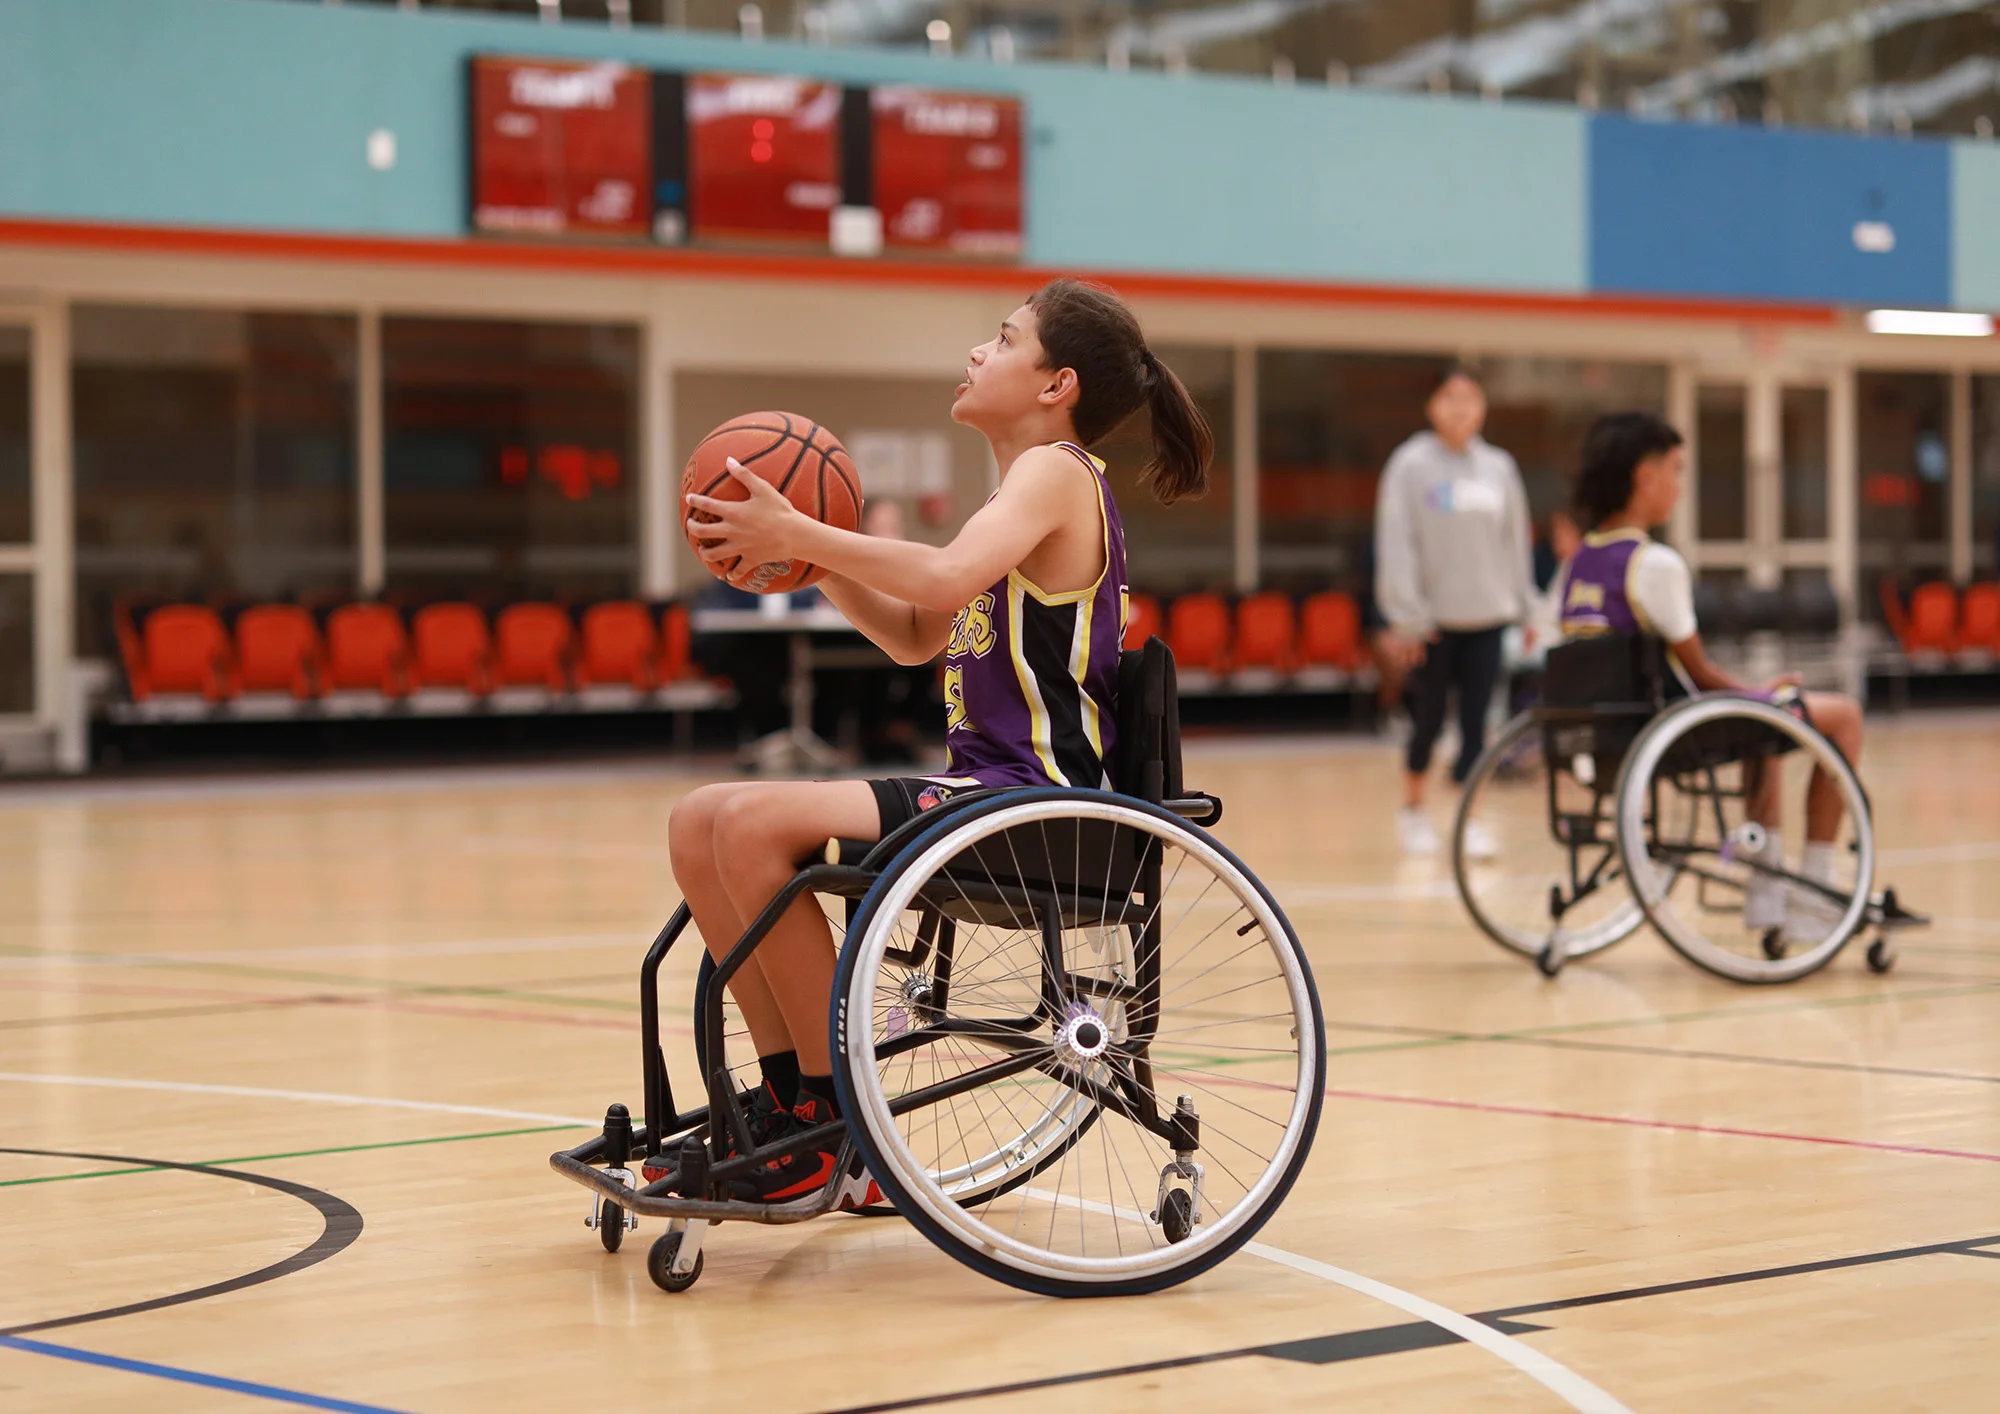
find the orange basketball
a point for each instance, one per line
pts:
(796, 455)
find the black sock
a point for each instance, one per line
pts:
(781, 1073)
(820, 1088)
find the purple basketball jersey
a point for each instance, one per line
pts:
(1031, 678)
(1594, 595)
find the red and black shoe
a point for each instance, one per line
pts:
(797, 1180)
(762, 1109)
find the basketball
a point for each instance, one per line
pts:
(799, 457)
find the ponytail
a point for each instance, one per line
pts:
(1182, 442)
(1087, 328)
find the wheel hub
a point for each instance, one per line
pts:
(1082, 1037)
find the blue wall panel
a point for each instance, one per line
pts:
(253, 113)
(1975, 226)
(1682, 209)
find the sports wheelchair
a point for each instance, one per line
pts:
(1076, 1040)
(1618, 801)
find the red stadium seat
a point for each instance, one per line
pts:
(676, 644)
(620, 647)
(1142, 620)
(1979, 619)
(278, 650)
(1330, 632)
(366, 647)
(1198, 633)
(185, 650)
(1265, 631)
(1933, 619)
(531, 647)
(451, 647)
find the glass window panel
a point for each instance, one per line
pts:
(1539, 409)
(1905, 469)
(899, 431)
(17, 643)
(1723, 475)
(1326, 423)
(1986, 475)
(1191, 544)
(17, 524)
(509, 453)
(1803, 413)
(214, 456)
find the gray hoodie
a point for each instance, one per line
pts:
(1451, 538)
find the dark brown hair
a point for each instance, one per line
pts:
(1087, 328)
(1612, 451)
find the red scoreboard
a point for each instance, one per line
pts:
(948, 170)
(561, 148)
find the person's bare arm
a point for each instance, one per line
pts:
(1701, 669)
(901, 594)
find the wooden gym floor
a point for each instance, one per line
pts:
(281, 1061)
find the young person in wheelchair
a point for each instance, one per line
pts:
(1621, 581)
(1027, 604)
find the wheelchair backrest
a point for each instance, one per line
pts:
(1147, 759)
(1612, 670)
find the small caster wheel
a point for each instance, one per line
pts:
(660, 1261)
(1774, 944)
(1177, 1214)
(610, 1225)
(1881, 957)
(1549, 961)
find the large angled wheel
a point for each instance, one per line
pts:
(1550, 874)
(1112, 1005)
(1697, 861)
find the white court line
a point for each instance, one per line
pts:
(1572, 1388)
(1966, 852)
(258, 1092)
(1578, 1392)
(464, 947)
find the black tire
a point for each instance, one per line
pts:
(610, 1225)
(1223, 1242)
(1177, 1215)
(1881, 957)
(660, 1260)
(1774, 944)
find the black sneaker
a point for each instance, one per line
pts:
(796, 1181)
(762, 1110)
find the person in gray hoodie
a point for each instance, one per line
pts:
(1453, 568)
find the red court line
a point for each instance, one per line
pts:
(1535, 1112)
(657, 261)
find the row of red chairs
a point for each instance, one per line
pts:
(1264, 636)
(1942, 622)
(368, 647)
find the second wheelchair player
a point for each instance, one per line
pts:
(1621, 581)
(1026, 604)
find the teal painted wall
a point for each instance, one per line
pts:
(255, 114)
(1975, 226)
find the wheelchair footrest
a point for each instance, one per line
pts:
(673, 1206)
(1887, 913)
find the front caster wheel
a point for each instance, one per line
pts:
(1881, 957)
(660, 1264)
(610, 1225)
(1177, 1215)
(1549, 961)
(1774, 944)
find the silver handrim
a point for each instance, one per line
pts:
(1692, 880)
(1244, 1045)
(1508, 896)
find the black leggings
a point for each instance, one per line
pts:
(1470, 662)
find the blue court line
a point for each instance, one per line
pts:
(191, 1377)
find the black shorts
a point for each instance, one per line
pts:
(900, 799)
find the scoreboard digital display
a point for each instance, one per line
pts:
(566, 150)
(948, 170)
(561, 148)
(763, 157)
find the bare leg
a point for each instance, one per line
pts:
(691, 845)
(761, 832)
(1838, 718)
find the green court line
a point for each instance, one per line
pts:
(296, 1154)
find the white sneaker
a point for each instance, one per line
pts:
(1479, 842)
(1415, 830)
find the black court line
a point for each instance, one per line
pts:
(1422, 1335)
(342, 1226)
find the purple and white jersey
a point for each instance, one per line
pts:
(1596, 588)
(1031, 678)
